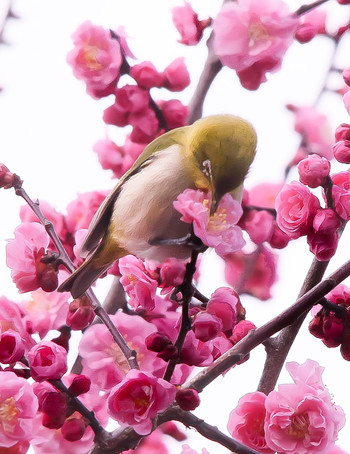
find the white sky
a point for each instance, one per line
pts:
(48, 126)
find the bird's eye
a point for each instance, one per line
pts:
(207, 169)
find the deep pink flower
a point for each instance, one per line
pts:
(264, 194)
(341, 151)
(300, 417)
(261, 276)
(311, 24)
(96, 58)
(342, 132)
(18, 407)
(314, 170)
(175, 113)
(187, 23)
(341, 201)
(223, 303)
(47, 360)
(81, 210)
(346, 100)
(23, 256)
(138, 399)
(187, 398)
(259, 224)
(206, 326)
(252, 37)
(246, 422)
(110, 155)
(146, 75)
(145, 126)
(296, 207)
(139, 286)
(80, 314)
(103, 361)
(7, 178)
(176, 75)
(131, 99)
(323, 245)
(11, 346)
(172, 272)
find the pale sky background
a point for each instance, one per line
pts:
(48, 126)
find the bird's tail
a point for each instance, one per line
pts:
(94, 266)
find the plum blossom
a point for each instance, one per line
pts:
(218, 230)
(296, 207)
(11, 346)
(23, 256)
(252, 36)
(138, 398)
(176, 75)
(96, 58)
(246, 422)
(174, 112)
(18, 407)
(47, 360)
(300, 417)
(188, 25)
(186, 449)
(139, 286)
(146, 75)
(7, 178)
(81, 210)
(314, 170)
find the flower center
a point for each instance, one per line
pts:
(299, 426)
(217, 221)
(90, 57)
(256, 33)
(8, 413)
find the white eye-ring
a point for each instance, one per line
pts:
(206, 165)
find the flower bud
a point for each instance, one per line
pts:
(341, 151)
(314, 170)
(187, 399)
(47, 361)
(80, 314)
(206, 326)
(54, 406)
(80, 385)
(11, 347)
(73, 429)
(342, 132)
(8, 179)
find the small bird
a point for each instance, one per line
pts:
(213, 154)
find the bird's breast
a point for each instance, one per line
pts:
(144, 208)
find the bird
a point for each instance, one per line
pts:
(213, 154)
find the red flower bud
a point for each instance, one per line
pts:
(80, 314)
(187, 399)
(73, 429)
(80, 385)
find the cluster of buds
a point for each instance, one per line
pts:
(332, 322)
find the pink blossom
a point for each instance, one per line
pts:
(139, 286)
(300, 417)
(223, 304)
(80, 314)
(241, 330)
(111, 156)
(174, 112)
(311, 24)
(18, 407)
(264, 194)
(138, 398)
(259, 278)
(187, 23)
(81, 210)
(103, 361)
(114, 115)
(252, 37)
(11, 318)
(259, 224)
(11, 346)
(152, 444)
(341, 201)
(23, 256)
(342, 132)
(346, 100)
(218, 230)
(246, 422)
(7, 178)
(296, 207)
(315, 130)
(176, 75)
(47, 360)
(325, 220)
(172, 272)
(131, 99)
(314, 170)
(206, 326)
(145, 126)
(187, 399)
(323, 245)
(336, 450)
(96, 58)
(45, 311)
(146, 75)
(341, 151)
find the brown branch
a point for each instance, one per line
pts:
(67, 262)
(260, 335)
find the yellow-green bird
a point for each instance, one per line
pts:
(213, 154)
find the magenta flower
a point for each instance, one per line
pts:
(18, 407)
(96, 58)
(81, 210)
(11, 346)
(223, 304)
(188, 25)
(206, 326)
(218, 230)
(246, 422)
(47, 360)
(138, 399)
(23, 255)
(300, 417)
(314, 170)
(138, 284)
(146, 75)
(175, 113)
(176, 75)
(296, 207)
(252, 36)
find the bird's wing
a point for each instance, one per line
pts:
(100, 221)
